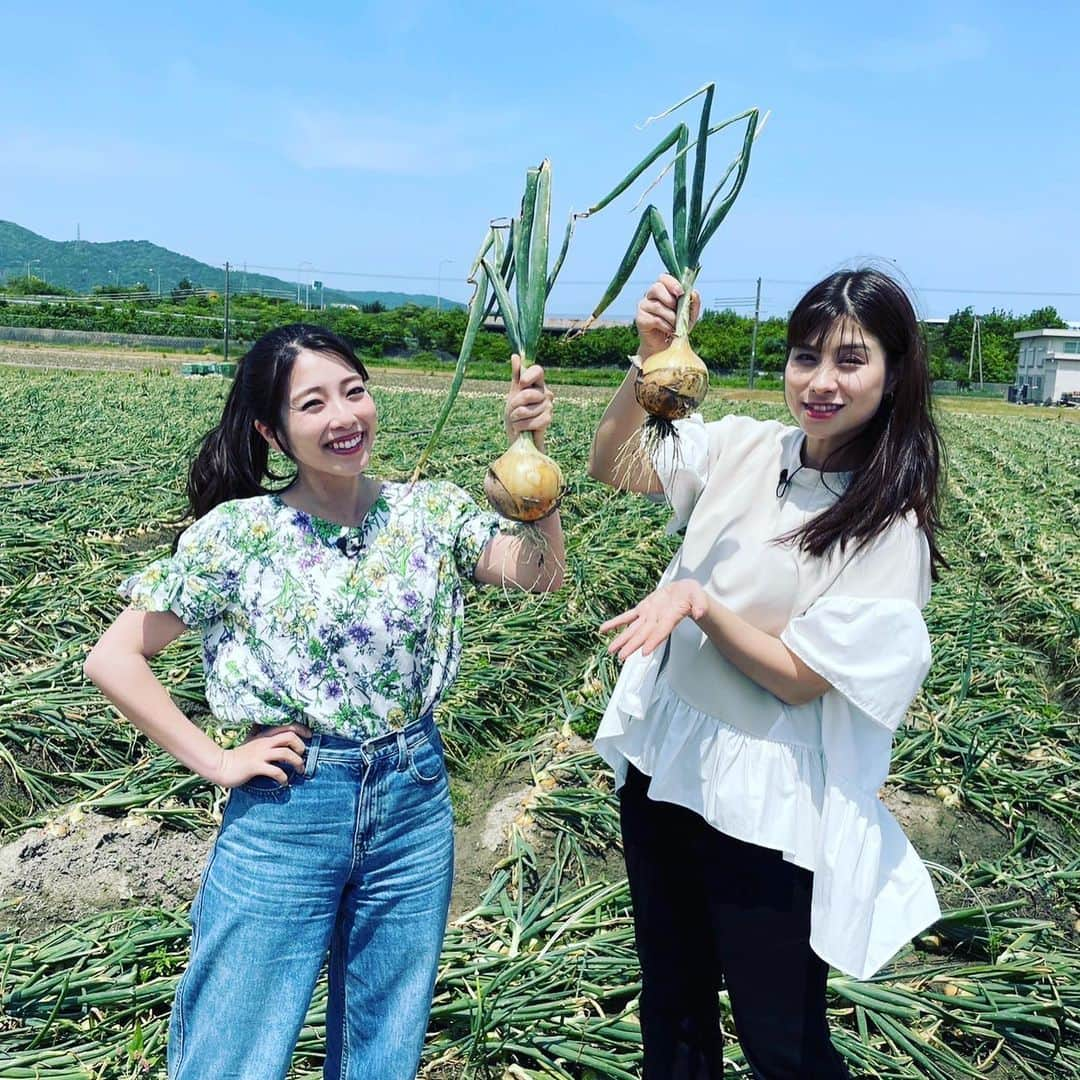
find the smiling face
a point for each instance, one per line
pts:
(834, 389)
(330, 420)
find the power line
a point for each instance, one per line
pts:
(936, 289)
(700, 282)
(433, 277)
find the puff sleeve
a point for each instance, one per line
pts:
(471, 528)
(199, 582)
(683, 465)
(866, 634)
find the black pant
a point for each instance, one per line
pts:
(708, 906)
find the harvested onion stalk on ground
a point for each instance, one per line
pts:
(672, 383)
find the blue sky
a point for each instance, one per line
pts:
(372, 142)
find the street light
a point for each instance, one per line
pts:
(307, 294)
(438, 285)
(29, 263)
(157, 279)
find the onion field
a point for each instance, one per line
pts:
(539, 976)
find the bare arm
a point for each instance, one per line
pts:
(760, 656)
(118, 665)
(757, 654)
(519, 560)
(611, 457)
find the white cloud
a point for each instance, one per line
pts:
(326, 139)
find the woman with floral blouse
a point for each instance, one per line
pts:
(331, 618)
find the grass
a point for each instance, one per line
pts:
(541, 975)
(767, 388)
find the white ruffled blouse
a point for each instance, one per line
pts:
(800, 779)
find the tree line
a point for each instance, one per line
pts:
(721, 338)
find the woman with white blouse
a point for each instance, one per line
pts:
(752, 723)
(331, 617)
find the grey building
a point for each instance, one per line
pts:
(1049, 363)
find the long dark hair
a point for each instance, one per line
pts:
(233, 459)
(904, 458)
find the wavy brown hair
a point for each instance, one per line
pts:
(903, 461)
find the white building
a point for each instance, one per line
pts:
(1049, 363)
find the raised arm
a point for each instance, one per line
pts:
(118, 665)
(611, 459)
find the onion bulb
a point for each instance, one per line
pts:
(524, 484)
(672, 383)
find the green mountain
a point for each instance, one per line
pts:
(80, 265)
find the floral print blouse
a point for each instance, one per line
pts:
(353, 631)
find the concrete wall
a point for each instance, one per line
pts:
(1042, 366)
(1065, 378)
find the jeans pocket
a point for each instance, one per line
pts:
(426, 765)
(266, 787)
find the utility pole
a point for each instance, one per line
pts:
(976, 346)
(226, 312)
(753, 334)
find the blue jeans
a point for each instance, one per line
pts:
(354, 858)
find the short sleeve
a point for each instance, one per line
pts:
(866, 634)
(683, 464)
(875, 653)
(471, 528)
(198, 582)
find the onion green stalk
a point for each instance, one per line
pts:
(523, 484)
(479, 308)
(674, 382)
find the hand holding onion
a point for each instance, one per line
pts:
(655, 316)
(529, 402)
(672, 380)
(525, 484)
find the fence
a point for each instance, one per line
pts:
(101, 337)
(973, 389)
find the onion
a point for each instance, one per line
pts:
(524, 484)
(672, 383)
